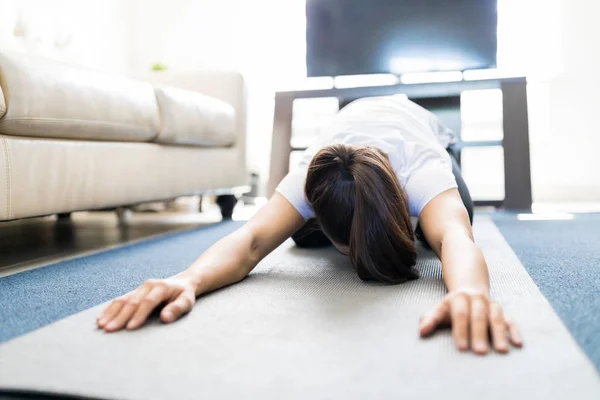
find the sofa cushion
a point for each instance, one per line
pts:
(193, 119)
(46, 98)
(2, 103)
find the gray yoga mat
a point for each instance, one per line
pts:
(303, 326)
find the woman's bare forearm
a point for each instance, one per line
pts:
(226, 262)
(463, 264)
(232, 258)
(467, 306)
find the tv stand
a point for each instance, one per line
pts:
(517, 173)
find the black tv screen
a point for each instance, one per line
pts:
(347, 37)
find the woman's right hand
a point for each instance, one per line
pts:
(131, 310)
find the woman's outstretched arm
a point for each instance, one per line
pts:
(226, 262)
(467, 306)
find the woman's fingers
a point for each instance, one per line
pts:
(175, 309)
(479, 325)
(121, 319)
(515, 335)
(133, 309)
(498, 328)
(132, 302)
(111, 311)
(438, 316)
(474, 317)
(459, 310)
(152, 300)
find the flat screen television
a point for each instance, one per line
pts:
(348, 37)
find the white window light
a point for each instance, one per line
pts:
(492, 73)
(430, 77)
(350, 81)
(546, 217)
(314, 83)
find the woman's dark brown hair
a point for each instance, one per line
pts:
(359, 203)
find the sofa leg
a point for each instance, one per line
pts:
(124, 215)
(227, 203)
(63, 217)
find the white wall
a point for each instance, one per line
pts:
(555, 43)
(567, 162)
(87, 32)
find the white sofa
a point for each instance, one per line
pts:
(76, 139)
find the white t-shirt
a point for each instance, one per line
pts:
(412, 137)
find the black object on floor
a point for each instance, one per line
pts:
(227, 203)
(563, 258)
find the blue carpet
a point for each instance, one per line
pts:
(33, 299)
(563, 258)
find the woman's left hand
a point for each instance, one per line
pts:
(473, 316)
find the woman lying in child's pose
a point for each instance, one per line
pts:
(381, 161)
